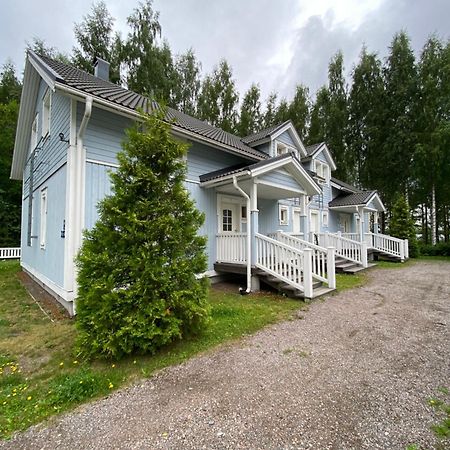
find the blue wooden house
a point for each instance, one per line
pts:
(273, 209)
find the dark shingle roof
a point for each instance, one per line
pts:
(358, 198)
(240, 168)
(311, 149)
(346, 186)
(263, 133)
(94, 86)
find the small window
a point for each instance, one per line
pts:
(227, 220)
(281, 149)
(283, 213)
(34, 133)
(43, 233)
(46, 106)
(325, 219)
(243, 213)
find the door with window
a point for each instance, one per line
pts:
(230, 218)
(296, 223)
(314, 222)
(344, 220)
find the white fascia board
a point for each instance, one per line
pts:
(132, 114)
(224, 180)
(30, 89)
(296, 138)
(377, 198)
(299, 173)
(45, 72)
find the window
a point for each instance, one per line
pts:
(243, 213)
(227, 220)
(43, 233)
(325, 219)
(34, 133)
(281, 149)
(322, 170)
(46, 104)
(283, 215)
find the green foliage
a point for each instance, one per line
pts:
(250, 117)
(299, 110)
(440, 249)
(40, 47)
(218, 99)
(186, 84)
(138, 289)
(442, 407)
(95, 38)
(10, 190)
(402, 226)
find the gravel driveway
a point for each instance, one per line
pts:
(353, 372)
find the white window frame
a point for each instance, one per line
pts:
(46, 113)
(322, 170)
(281, 148)
(283, 209)
(34, 133)
(325, 219)
(43, 221)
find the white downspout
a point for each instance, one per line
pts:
(80, 189)
(249, 239)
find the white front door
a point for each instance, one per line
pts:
(296, 221)
(344, 220)
(314, 222)
(230, 218)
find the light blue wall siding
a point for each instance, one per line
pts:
(269, 216)
(286, 139)
(202, 159)
(281, 177)
(206, 202)
(48, 261)
(98, 186)
(104, 134)
(52, 153)
(264, 148)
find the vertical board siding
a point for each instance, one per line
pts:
(53, 152)
(98, 186)
(206, 202)
(104, 134)
(202, 159)
(48, 262)
(281, 177)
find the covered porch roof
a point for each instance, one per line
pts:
(351, 203)
(277, 178)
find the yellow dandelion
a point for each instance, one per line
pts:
(14, 394)
(61, 364)
(29, 397)
(4, 403)
(75, 362)
(134, 362)
(81, 381)
(113, 365)
(110, 385)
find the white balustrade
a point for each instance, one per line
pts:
(232, 248)
(349, 249)
(390, 245)
(320, 257)
(10, 253)
(286, 263)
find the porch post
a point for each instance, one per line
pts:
(253, 228)
(361, 224)
(304, 217)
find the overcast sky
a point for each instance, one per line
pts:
(276, 43)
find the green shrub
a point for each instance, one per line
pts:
(138, 289)
(440, 249)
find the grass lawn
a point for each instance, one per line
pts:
(40, 376)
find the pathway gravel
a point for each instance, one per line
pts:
(355, 371)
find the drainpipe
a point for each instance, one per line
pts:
(79, 190)
(249, 241)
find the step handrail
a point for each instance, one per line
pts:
(284, 262)
(349, 249)
(323, 259)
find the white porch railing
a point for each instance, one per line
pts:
(390, 245)
(286, 263)
(9, 253)
(231, 248)
(348, 249)
(322, 259)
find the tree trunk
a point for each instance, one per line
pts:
(433, 215)
(426, 224)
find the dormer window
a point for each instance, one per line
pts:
(282, 148)
(46, 105)
(322, 170)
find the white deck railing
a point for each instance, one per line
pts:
(10, 253)
(286, 263)
(348, 249)
(322, 259)
(390, 245)
(231, 248)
